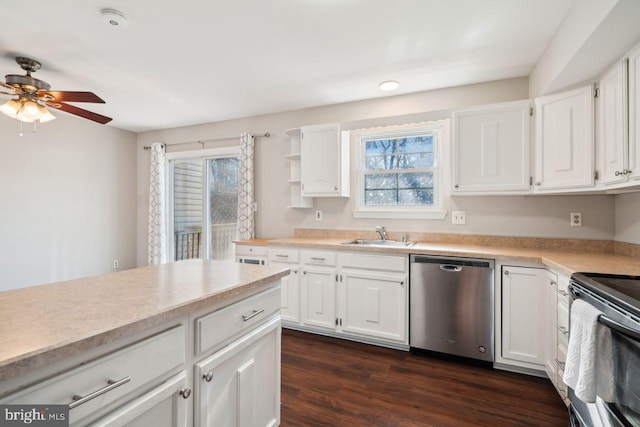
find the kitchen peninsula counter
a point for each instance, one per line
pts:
(45, 324)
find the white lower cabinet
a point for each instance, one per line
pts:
(524, 305)
(290, 285)
(358, 296)
(551, 325)
(319, 297)
(163, 406)
(374, 304)
(240, 385)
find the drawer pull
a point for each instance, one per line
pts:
(282, 256)
(318, 259)
(563, 330)
(208, 376)
(253, 314)
(79, 400)
(185, 392)
(563, 293)
(560, 364)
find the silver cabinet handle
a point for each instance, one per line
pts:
(253, 314)
(282, 256)
(506, 272)
(208, 376)
(318, 259)
(456, 186)
(185, 392)
(560, 364)
(79, 400)
(538, 183)
(618, 173)
(295, 271)
(552, 282)
(563, 330)
(563, 293)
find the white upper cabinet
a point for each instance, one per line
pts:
(491, 149)
(565, 141)
(324, 162)
(613, 144)
(634, 115)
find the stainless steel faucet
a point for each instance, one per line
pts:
(382, 231)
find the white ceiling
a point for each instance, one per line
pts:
(200, 61)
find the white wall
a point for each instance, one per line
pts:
(627, 207)
(68, 201)
(526, 216)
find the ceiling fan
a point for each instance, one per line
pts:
(32, 96)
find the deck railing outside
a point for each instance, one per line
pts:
(190, 244)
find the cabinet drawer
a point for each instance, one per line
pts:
(318, 258)
(563, 316)
(252, 250)
(284, 255)
(216, 327)
(141, 363)
(373, 262)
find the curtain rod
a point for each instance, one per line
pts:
(204, 141)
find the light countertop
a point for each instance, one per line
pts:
(562, 261)
(43, 324)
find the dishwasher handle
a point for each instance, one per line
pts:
(450, 268)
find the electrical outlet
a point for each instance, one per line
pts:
(576, 219)
(318, 215)
(116, 264)
(458, 217)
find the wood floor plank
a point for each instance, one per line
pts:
(328, 382)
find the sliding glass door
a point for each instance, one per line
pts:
(203, 206)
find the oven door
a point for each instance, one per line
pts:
(625, 410)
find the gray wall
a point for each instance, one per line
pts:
(627, 208)
(523, 216)
(68, 201)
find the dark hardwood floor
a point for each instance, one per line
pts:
(332, 382)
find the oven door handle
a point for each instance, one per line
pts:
(624, 330)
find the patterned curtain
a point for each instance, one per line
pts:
(157, 213)
(246, 227)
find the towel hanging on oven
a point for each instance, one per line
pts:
(589, 365)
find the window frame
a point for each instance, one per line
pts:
(434, 211)
(204, 155)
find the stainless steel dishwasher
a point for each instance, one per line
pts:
(451, 306)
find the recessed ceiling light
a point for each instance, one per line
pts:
(114, 18)
(389, 85)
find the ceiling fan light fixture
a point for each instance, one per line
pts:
(388, 85)
(10, 108)
(45, 115)
(114, 18)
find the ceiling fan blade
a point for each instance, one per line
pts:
(3, 84)
(68, 96)
(80, 112)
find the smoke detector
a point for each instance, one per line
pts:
(114, 18)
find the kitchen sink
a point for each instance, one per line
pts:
(379, 242)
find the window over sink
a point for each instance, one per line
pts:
(399, 171)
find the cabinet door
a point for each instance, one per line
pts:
(319, 297)
(163, 406)
(240, 385)
(612, 129)
(491, 147)
(290, 293)
(565, 140)
(321, 161)
(523, 310)
(551, 326)
(634, 113)
(374, 304)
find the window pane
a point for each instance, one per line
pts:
(380, 197)
(223, 205)
(382, 181)
(415, 180)
(399, 153)
(187, 208)
(419, 197)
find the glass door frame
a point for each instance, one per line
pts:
(204, 155)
